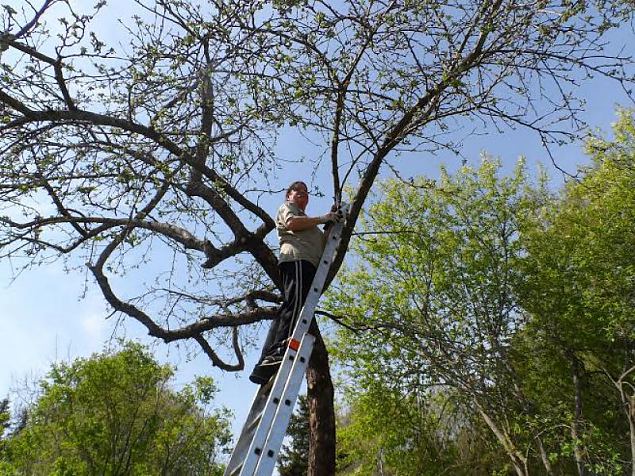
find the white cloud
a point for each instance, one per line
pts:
(95, 329)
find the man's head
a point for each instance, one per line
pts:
(298, 194)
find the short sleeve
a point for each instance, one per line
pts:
(285, 212)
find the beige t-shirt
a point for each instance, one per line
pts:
(297, 245)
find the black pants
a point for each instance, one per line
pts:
(297, 277)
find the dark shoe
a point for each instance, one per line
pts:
(272, 360)
(261, 375)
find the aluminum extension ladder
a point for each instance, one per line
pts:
(261, 437)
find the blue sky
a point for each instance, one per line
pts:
(48, 314)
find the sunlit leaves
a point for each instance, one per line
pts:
(433, 299)
(116, 413)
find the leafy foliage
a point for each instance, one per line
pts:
(5, 416)
(579, 288)
(491, 323)
(115, 413)
(434, 301)
(383, 431)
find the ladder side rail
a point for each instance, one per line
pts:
(246, 434)
(260, 435)
(284, 410)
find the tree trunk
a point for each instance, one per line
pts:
(631, 424)
(518, 460)
(575, 434)
(321, 410)
(628, 404)
(544, 457)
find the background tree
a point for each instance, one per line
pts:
(480, 298)
(5, 419)
(5, 416)
(387, 431)
(434, 295)
(115, 413)
(579, 291)
(121, 157)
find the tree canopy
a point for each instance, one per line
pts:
(115, 413)
(433, 299)
(117, 153)
(498, 315)
(579, 292)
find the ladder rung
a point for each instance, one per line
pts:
(265, 390)
(253, 423)
(236, 470)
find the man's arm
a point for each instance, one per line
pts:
(299, 223)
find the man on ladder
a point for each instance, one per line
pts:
(301, 245)
(305, 261)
